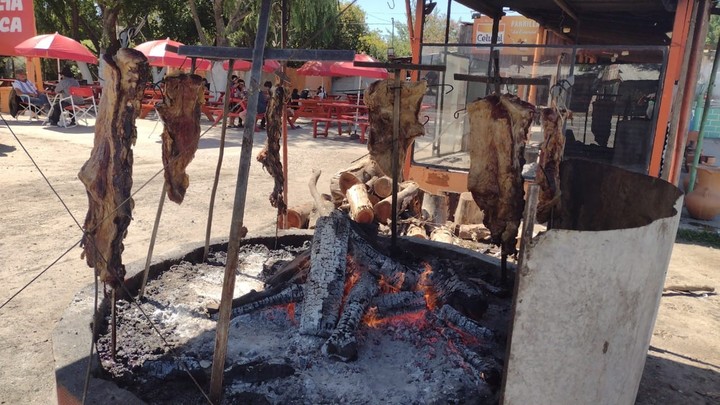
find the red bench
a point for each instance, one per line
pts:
(363, 125)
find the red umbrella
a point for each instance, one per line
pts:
(158, 56)
(55, 46)
(244, 65)
(316, 68)
(348, 69)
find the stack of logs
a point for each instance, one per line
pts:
(364, 191)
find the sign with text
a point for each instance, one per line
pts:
(17, 23)
(512, 30)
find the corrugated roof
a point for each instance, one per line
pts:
(627, 22)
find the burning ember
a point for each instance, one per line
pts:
(412, 334)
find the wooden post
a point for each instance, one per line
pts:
(221, 153)
(156, 225)
(236, 226)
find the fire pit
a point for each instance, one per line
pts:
(410, 335)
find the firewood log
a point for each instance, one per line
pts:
(450, 289)
(297, 217)
(405, 198)
(474, 232)
(293, 271)
(322, 206)
(294, 293)
(416, 231)
(435, 208)
(454, 318)
(380, 265)
(364, 170)
(326, 282)
(342, 344)
(442, 234)
(390, 304)
(107, 175)
(360, 209)
(467, 211)
(180, 113)
(381, 186)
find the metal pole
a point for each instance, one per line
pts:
(221, 153)
(236, 226)
(395, 163)
(283, 44)
(491, 56)
(156, 225)
(113, 324)
(701, 135)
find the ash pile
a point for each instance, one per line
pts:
(340, 321)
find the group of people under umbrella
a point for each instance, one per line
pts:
(58, 47)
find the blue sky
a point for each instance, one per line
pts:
(379, 15)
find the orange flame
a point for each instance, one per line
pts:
(388, 287)
(371, 319)
(425, 286)
(354, 276)
(291, 312)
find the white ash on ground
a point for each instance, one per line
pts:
(411, 358)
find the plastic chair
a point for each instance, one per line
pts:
(23, 104)
(88, 109)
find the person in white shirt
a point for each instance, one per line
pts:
(63, 87)
(23, 86)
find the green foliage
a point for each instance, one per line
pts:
(705, 238)
(713, 31)
(309, 20)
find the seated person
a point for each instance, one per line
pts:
(63, 87)
(25, 87)
(263, 99)
(238, 92)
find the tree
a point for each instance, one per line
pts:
(433, 32)
(713, 32)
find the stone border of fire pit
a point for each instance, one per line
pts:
(73, 331)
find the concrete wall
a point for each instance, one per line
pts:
(586, 300)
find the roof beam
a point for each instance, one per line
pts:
(567, 9)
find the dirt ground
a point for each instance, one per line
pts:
(683, 362)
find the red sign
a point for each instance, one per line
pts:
(17, 23)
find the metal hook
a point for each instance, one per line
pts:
(456, 114)
(427, 119)
(393, 5)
